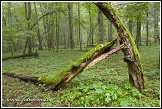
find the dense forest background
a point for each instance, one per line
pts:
(57, 34)
(54, 25)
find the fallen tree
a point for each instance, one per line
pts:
(62, 78)
(21, 56)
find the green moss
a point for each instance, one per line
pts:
(55, 79)
(126, 31)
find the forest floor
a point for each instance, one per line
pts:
(106, 84)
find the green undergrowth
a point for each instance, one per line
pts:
(105, 84)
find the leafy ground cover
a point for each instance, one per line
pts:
(105, 84)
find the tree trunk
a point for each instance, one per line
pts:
(9, 15)
(138, 36)
(70, 6)
(80, 40)
(110, 38)
(57, 33)
(131, 53)
(100, 22)
(147, 30)
(28, 16)
(16, 19)
(90, 29)
(130, 26)
(38, 30)
(156, 32)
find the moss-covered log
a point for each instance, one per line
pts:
(21, 56)
(60, 79)
(131, 53)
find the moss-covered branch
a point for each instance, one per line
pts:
(62, 78)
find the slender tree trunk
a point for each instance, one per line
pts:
(110, 37)
(9, 15)
(4, 21)
(10, 41)
(48, 32)
(80, 40)
(90, 40)
(156, 32)
(70, 6)
(64, 35)
(131, 53)
(130, 26)
(57, 34)
(38, 30)
(138, 36)
(147, 30)
(16, 18)
(28, 16)
(100, 21)
(13, 44)
(17, 28)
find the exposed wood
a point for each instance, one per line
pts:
(103, 56)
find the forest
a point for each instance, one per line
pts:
(80, 54)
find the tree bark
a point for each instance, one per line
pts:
(138, 36)
(80, 40)
(100, 22)
(57, 32)
(131, 53)
(130, 26)
(156, 32)
(70, 6)
(28, 16)
(147, 30)
(90, 39)
(110, 38)
(38, 30)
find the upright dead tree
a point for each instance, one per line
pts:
(131, 53)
